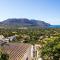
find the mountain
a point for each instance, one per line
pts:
(23, 22)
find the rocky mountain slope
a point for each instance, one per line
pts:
(23, 22)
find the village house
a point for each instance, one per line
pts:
(18, 51)
(7, 39)
(12, 38)
(1, 37)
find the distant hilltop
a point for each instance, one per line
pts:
(23, 22)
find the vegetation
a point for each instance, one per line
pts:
(49, 39)
(51, 49)
(4, 56)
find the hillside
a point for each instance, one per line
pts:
(23, 22)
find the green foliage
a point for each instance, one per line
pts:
(51, 49)
(49, 39)
(4, 57)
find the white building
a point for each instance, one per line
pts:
(12, 38)
(1, 37)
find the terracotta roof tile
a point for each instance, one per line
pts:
(16, 50)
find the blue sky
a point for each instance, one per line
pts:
(45, 10)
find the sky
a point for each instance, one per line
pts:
(45, 10)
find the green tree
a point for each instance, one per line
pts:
(51, 49)
(4, 57)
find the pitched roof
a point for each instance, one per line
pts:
(16, 50)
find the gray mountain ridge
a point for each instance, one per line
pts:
(24, 22)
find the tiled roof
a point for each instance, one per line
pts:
(16, 50)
